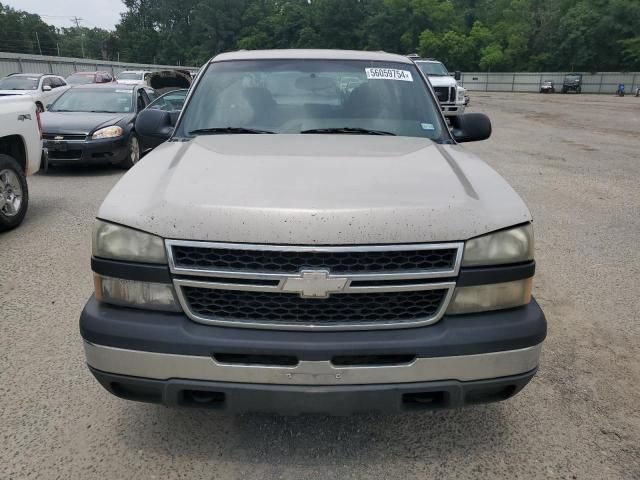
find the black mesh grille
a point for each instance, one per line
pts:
(279, 308)
(65, 136)
(443, 94)
(293, 262)
(65, 154)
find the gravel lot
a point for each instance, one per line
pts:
(575, 160)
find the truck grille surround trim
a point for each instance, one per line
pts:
(314, 288)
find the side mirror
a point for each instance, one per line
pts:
(155, 123)
(46, 88)
(470, 127)
(457, 75)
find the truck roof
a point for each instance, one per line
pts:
(309, 54)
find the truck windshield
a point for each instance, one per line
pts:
(19, 83)
(311, 96)
(94, 100)
(433, 69)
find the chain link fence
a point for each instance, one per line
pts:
(64, 66)
(601, 82)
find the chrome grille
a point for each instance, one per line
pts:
(307, 287)
(287, 308)
(293, 261)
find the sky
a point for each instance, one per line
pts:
(101, 13)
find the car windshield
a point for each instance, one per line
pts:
(129, 76)
(172, 101)
(312, 96)
(19, 83)
(80, 79)
(433, 69)
(94, 100)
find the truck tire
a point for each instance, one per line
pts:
(133, 152)
(14, 194)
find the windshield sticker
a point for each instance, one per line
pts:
(427, 126)
(388, 74)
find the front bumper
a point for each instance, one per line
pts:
(167, 358)
(294, 400)
(452, 109)
(108, 150)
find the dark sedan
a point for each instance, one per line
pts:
(94, 123)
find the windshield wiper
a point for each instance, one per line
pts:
(353, 130)
(214, 131)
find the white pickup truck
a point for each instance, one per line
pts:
(20, 156)
(452, 97)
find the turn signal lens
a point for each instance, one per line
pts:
(131, 293)
(494, 296)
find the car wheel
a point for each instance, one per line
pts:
(133, 152)
(14, 195)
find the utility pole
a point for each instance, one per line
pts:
(38, 40)
(77, 21)
(58, 47)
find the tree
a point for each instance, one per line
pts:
(585, 35)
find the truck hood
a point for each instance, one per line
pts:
(313, 189)
(446, 81)
(79, 122)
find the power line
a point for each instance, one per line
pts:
(77, 21)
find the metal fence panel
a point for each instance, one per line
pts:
(599, 82)
(65, 66)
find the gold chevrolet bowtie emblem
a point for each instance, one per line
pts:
(314, 284)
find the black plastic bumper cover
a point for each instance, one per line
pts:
(176, 334)
(109, 150)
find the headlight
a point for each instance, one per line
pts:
(507, 246)
(131, 293)
(495, 296)
(461, 92)
(121, 243)
(108, 132)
